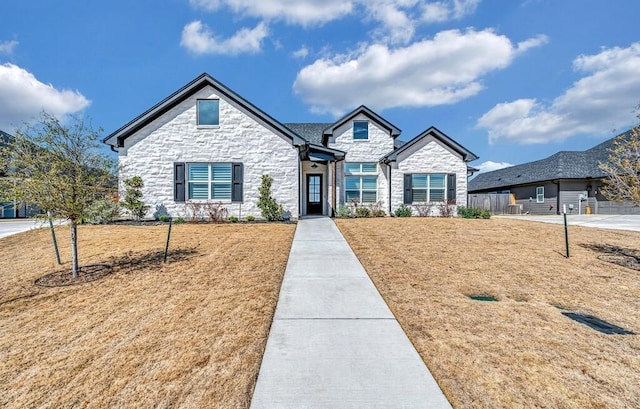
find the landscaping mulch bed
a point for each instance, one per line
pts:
(65, 277)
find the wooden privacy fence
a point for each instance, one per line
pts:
(496, 203)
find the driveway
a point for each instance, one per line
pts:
(9, 227)
(614, 222)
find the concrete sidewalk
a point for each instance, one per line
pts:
(334, 343)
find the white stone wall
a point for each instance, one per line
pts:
(380, 143)
(428, 156)
(175, 137)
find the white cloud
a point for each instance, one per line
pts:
(489, 165)
(301, 53)
(597, 103)
(198, 38)
(302, 12)
(6, 47)
(23, 97)
(533, 42)
(441, 11)
(438, 71)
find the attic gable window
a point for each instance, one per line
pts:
(208, 112)
(361, 130)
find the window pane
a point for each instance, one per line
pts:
(360, 130)
(419, 195)
(221, 191)
(353, 195)
(368, 197)
(209, 112)
(352, 167)
(369, 167)
(221, 172)
(419, 181)
(198, 191)
(436, 195)
(352, 183)
(436, 181)
(199, 171)
(370, 183)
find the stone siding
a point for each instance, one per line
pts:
(240, 137)
(428, 156)
(380, 143)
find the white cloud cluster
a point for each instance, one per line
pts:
(300, 12)
(438, 71)
(199, 39)
(23, 97)
(396, 19)
(489, 166)
(440, 11)
(597, 103)
(7, 47)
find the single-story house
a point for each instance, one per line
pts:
(571, 178)
(10, 209)
(206, 142)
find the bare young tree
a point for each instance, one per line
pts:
(60, 169)
(622, 183)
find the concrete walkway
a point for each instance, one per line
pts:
(334, 343)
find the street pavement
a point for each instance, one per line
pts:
(614, 222)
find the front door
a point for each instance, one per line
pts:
(314, 194)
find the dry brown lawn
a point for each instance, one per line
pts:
(519, 352)
(190, 333)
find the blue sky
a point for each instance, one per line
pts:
(513, 81)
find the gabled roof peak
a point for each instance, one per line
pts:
(394, 131)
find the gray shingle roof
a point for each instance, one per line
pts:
(312, 132)
(562, 165)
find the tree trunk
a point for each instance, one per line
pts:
(74, 248)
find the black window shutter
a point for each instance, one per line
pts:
(178, 181)
(236, 192)
(408, 192)
(451, 187)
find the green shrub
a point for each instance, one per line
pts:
(363, 212)
(164, 218)
(178, 220)
(473, 213)
(132, 198)
(103, 211)
(233, 219)
(343, 211)
(271, 210)
(403, 211)
(251, 218)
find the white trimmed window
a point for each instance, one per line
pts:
(428, 188)
(361, 182)
(540, 194)
(208, 112)
(209, 181)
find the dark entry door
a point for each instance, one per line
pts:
(314, 194)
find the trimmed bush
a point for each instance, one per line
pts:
(363, 212)
(473, 213)
(250, 218)
(343, 211)
(403, 211)
(233, 219)
(103, 211)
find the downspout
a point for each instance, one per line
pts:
(558, 198)
(334, 190)
(389, 204)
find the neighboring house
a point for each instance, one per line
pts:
(205, 142)
(12, 209)
(571, 178)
